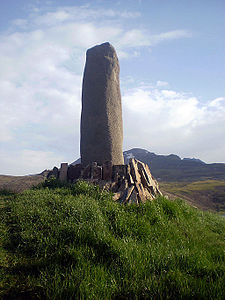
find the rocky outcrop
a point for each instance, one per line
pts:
(132, 183)
(101, 116)
(137, 185)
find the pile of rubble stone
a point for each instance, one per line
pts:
(132, 183)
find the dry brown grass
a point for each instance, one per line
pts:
(207, 194)
(19, 183)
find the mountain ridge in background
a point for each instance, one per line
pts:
(173, 168)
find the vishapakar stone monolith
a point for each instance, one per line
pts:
(101, 116)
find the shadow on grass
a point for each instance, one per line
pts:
(52, 183)
(6, 192)
(25, 294)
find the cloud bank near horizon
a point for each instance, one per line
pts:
(42, 59)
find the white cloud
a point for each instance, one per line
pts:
(218, 102)
(165, 121)
(20, 23)
(134, 37)
(40, 85)
(140, 38)
(170, 35)
(31, 161)
(51, 17)
(161, 83)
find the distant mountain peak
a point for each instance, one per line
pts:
(193, 160)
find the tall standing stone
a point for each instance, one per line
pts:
(101, 117)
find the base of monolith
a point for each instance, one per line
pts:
(132, 183)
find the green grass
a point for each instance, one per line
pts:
(74, 242)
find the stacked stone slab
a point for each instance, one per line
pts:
(136, 184)
(101, 116)
(132, 183)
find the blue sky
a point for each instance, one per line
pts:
(171, 56)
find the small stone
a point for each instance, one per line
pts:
(129, 192)
(55, 172)
(114, 186)
(63, 172)
(117, 195)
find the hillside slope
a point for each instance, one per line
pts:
(206, 194)
(74, 242)
(19, 183)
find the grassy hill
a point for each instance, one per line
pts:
(206, 194)
(73, 241)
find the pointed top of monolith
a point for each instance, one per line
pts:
(102, 50)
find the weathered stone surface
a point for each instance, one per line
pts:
(101, 117)
(130, 179)
(153, 183)
(55, 172)
(117, 196)
(63, 172)
(140, 192)
(133, 197)
(114, 187)
(52, 173)
(96, 172)
(74, 172)
(143, 174)
(129, 192)
(86, 172)
(134, 170)
(123, 197)
(134, 184)
(49, 174)
(123, 185)
(119, 171)
(107, 170)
